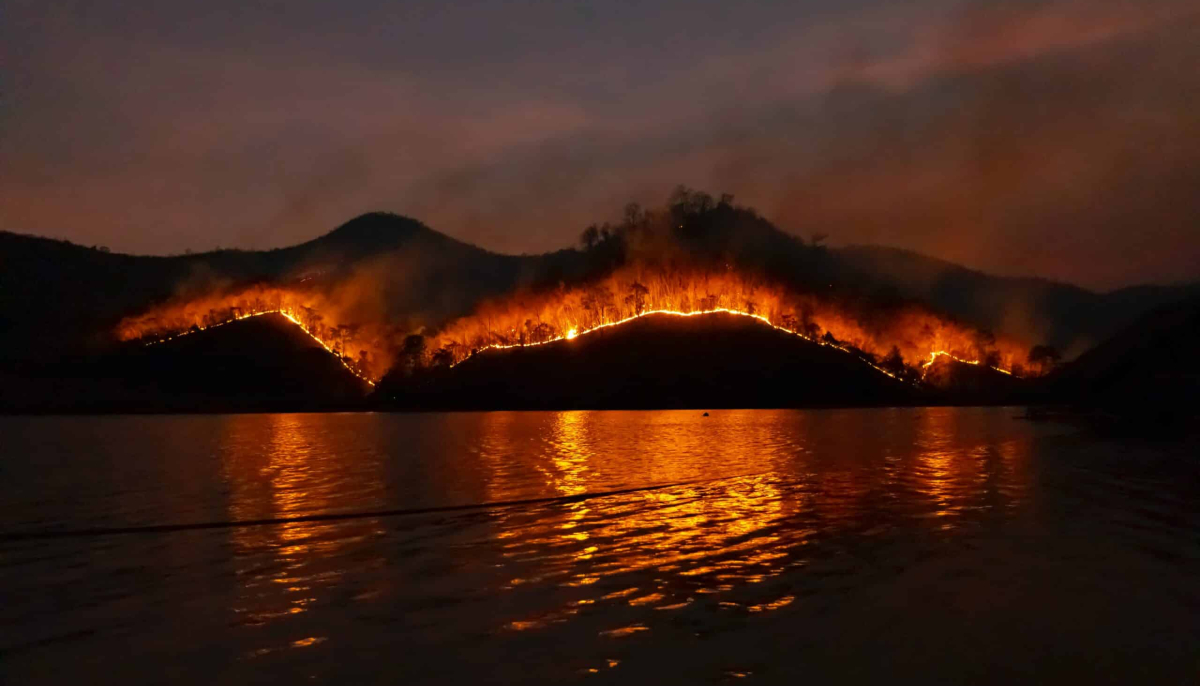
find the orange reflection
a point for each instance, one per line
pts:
(712, 534)
(691, 539)
(954, 475)
(281, 466)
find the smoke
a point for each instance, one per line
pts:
(1049, 137)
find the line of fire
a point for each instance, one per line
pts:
(904, 344)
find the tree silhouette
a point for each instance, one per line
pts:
(637, 297)
(983, 346)
(894, 362)
(590, 237)
(443, 358)
(598, 302)
(543, 332)
(1043, 357)
(364, 363)
(413, 351)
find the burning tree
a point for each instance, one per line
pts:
(637, 297)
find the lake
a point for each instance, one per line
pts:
(948, 544)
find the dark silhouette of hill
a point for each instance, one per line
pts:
(1067, 317)
(950, 381)
(260, 363)
(59, 300)
(1149, 368)
(657, 361)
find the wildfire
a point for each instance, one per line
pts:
(933, 357)
(174, 320)
(575, 333)
(287, 315)
(883, 338)
(902, 342)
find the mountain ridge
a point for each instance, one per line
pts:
(56, 296)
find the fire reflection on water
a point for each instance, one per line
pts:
(711, 537)
(741, 515)
(689, 540)
(277, 467)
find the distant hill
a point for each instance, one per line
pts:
(1150, 367)
(1067, 317)
(261, 363)
(58, 299)
(955, 382)
(657, 361)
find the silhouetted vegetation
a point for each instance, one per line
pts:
(60, 301)
(257, 364)
(658, 361)
(1044, 357)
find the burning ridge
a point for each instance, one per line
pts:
(884, 339)
(173, 320)
(696, 256)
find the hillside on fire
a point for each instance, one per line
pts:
(388, 300)
(257, 364)
(718, 360)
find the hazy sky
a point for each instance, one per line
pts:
(1056, 137)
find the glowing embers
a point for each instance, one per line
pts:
(575, 332)
(934, 356)
(328, 346)
(894, 337)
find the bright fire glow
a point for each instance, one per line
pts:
(903, 341)
(933, 357)
(574, 333)
(565, 313)
(173, 321)
(286, 315)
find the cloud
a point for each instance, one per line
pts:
(1051, 137)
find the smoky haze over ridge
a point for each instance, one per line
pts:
(1054, 138)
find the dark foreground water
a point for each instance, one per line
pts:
(953, 545)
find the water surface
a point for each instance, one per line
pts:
(948, 544)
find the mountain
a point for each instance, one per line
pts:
(1149, 368)
(59, 300)
(260, 363)
(961, 383)
(1067, 317)
(656, 361)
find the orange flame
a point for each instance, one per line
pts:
(527, 319)
(172, 320)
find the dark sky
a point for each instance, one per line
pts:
(1056, 137)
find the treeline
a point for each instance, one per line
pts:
(703, 231)
(702, 253)
(366, 348)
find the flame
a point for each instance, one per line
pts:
(575, 333)
(531, 319)
(286, 315)
(874, 334)
(933, 357)
(173, 320)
